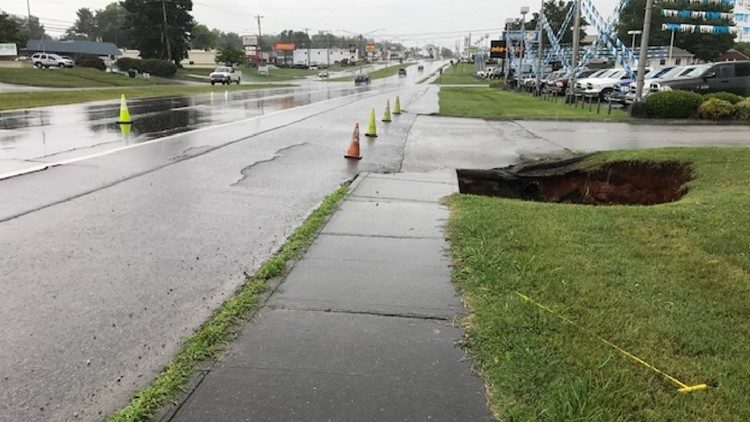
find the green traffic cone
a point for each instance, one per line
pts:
(372, 130)
(387, 113)
(397, 106)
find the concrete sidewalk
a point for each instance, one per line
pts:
(363, 328)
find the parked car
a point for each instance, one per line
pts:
(731, 77)
(225, 75)
(560, 85)
(314, 67)
(323, 74)
(402, 72)
(650, 78)
(47, 60)
(602, 85)
(362, 78)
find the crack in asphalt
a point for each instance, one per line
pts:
(278, 154)
(173, 162)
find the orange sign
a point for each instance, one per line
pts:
(284, 46)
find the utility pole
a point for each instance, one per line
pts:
(309, 41)
(260, 38)
(166, 30)
(576, 49)
(328, 49)
(28, 16)
(638, 108)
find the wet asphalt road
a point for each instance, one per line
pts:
(108, 262)
(31, 137)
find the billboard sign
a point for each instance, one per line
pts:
(250, 40)
(370, 47)
(498, 49)
(8, 50)
(284, 46)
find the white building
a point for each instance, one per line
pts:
(320, 56)
(742, 19)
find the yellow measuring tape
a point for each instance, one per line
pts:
(681, 386)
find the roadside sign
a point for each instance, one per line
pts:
(250, 40)
(532, 37)
(284, 46)
(473, 49)
(498, 49)
(8, 50)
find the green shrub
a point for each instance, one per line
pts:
(497, 83)
(726, 96)
(743, 110)
(93, 62)
(126, 63)
(673, 104)
(158, 67)
(716, 109)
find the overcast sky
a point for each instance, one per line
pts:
(414, 22)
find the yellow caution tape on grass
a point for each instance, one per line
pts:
(681, 386)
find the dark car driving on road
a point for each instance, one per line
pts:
(731, 77)
(402, 72)
(362, 78)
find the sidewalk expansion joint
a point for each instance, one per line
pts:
(389, 199)
(381, 236)
(379, 176)
(405, 315)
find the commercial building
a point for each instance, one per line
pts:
(742, 19)
(323, 56)
(73, 48)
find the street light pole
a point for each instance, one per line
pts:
(634, 33)
(638, 109)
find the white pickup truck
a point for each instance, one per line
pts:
(225, 75)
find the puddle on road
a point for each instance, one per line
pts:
(48, 132)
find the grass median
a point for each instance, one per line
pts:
(385, 72)
(30, 99)
(493, 103)
(211, 338)
(461, 74)
(669, 284)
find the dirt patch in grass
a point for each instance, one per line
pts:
(615, 183)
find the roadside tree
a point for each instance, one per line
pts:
(144, 23)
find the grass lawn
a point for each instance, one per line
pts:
(499, 104)
(71, 78)
(462, 74)
(668, 283)
(28, 99)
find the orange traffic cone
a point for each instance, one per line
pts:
(353, 151)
